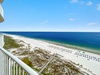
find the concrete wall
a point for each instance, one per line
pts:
(1, 40)
(1, 55)
(1, 63)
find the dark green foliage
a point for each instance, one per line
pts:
(10, 43)
(27, 61)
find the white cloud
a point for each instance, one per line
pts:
(98, 7)
(74, 1)
(92, 23)
(44, 22)
(72, 19)
(89, 3)
(82, 2)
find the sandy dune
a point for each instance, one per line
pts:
(90, 61)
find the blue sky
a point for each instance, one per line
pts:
(51, 15)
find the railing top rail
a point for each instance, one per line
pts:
(23, 65)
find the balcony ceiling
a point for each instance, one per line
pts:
(1, 1)
(1, 18)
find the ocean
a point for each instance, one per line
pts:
(89, 40)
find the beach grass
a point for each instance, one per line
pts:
(10, 42)
(27, 61)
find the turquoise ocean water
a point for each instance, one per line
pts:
(89, 40)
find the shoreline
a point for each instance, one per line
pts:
(87, 59)
(71, 46)
(76, 47)
(68, 46)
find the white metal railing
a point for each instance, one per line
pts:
(14, 66)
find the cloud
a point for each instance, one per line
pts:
(89, 3)
(98, 7)
(82, 2)
(74, 1)
(45, 22)
(92, 23)
(72, 19)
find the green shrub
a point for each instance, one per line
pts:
(10, 43)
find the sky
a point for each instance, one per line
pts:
(51, 15)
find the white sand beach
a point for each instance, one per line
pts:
(90, 61)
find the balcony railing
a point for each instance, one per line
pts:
(11, 65)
